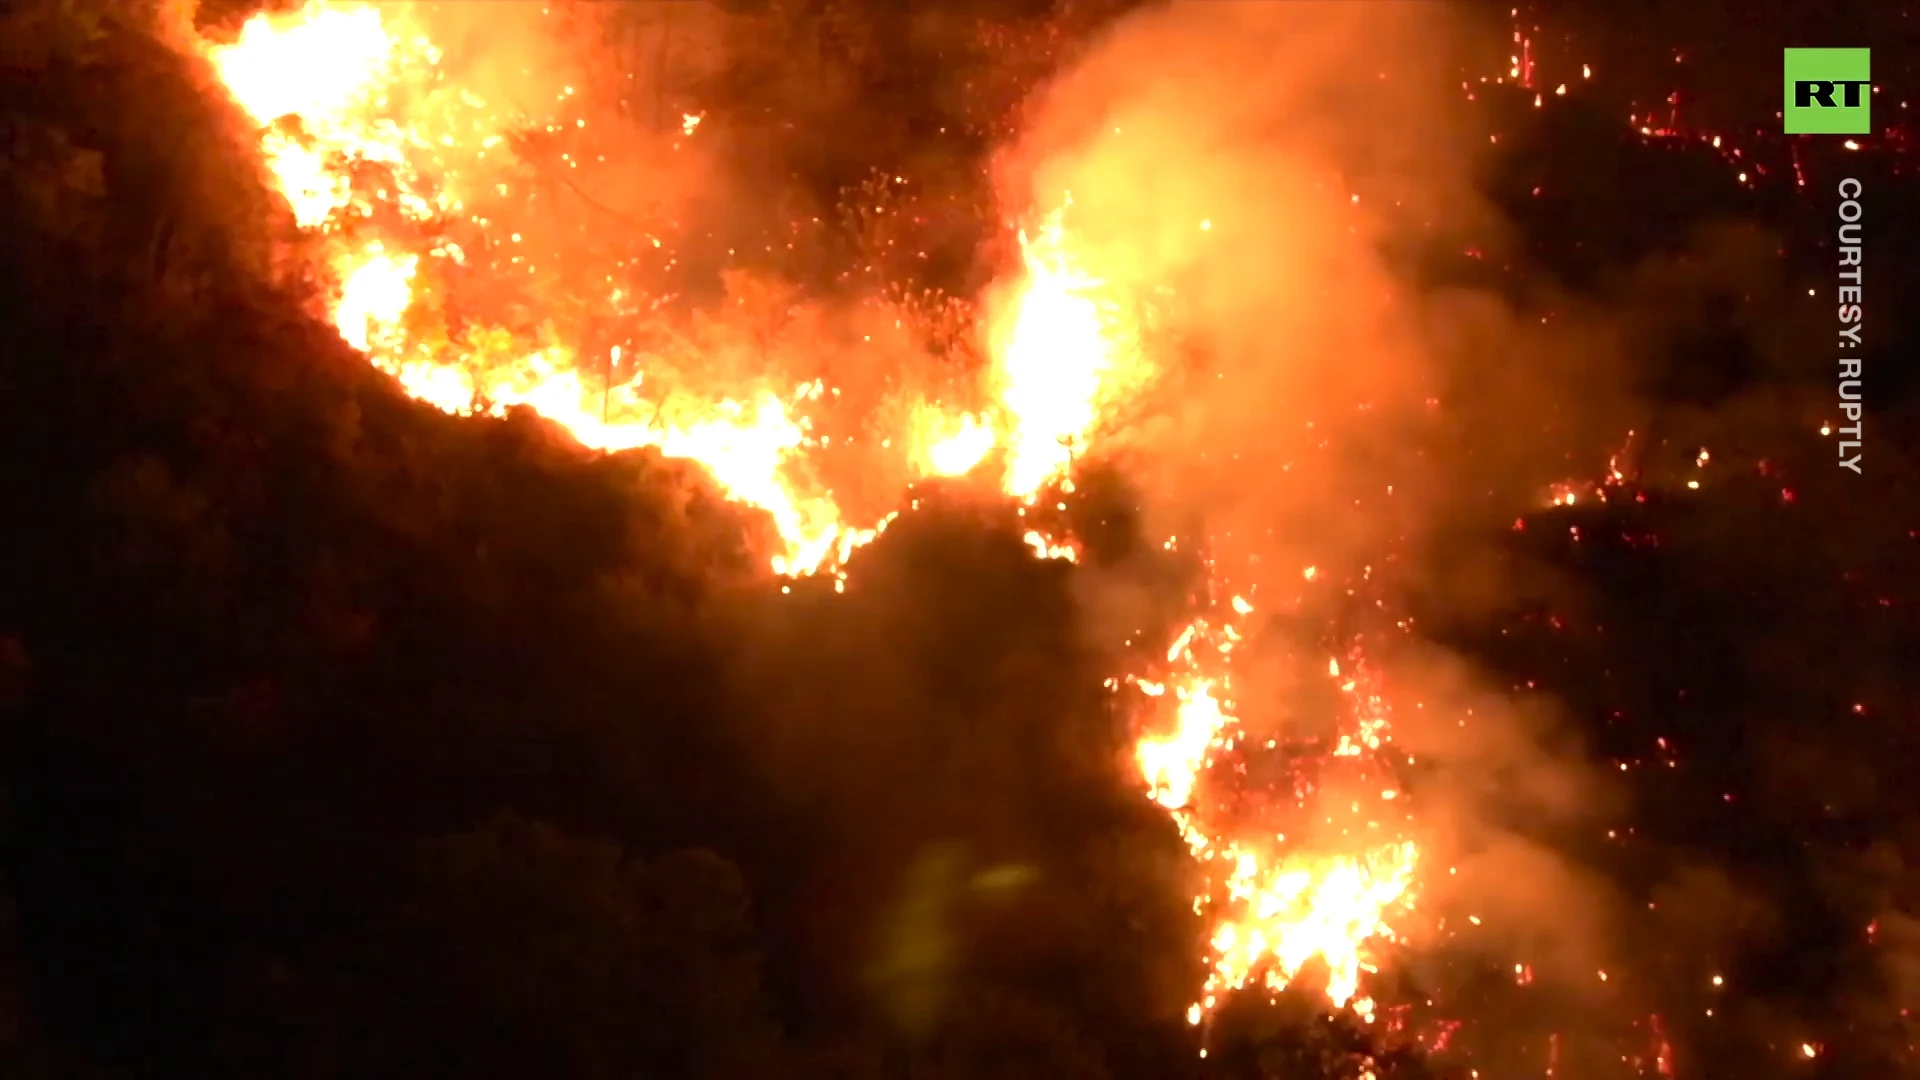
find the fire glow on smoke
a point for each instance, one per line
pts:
(374, 152)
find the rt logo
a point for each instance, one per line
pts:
(1828, 92)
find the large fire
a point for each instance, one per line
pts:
(380, 159)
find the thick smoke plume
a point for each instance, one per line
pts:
(1277, 177)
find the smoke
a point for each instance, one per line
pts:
(1215, 153)
(1277, 177)
(1268, 175)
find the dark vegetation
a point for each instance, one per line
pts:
(344, 738)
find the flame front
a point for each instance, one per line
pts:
(358, 134)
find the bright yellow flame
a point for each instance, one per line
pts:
(1061, 345)
(374, 296)
(301, 173)
(1172, 764)
(1295, 910)
(952, 447)
(318, 64)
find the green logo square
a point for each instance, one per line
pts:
(1828, 92)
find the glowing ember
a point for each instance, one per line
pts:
(1047, 549)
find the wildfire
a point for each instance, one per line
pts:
(378, 160)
